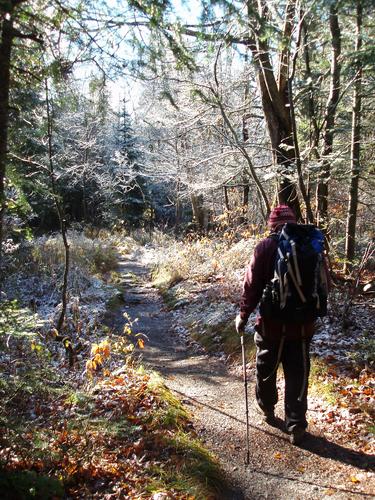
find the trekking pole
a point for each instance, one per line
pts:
(247, 460)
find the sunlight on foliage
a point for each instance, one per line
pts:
(319, 383)
(99, 354)
(97, 256)
(17, 321)
(203, 260)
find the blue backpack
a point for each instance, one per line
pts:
(298, 291)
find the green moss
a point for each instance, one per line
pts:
(17, 321)
(319, 383)
(130, 278)
(171, 414)
(115, 277)
(206, 340)
(169, 297)
(197, 474)
(231, 341)
(111, 428)
(78, 398)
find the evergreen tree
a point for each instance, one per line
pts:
(134, 197)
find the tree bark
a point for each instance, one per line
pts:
(245, 198)
(178, 208)
(314, 132)
(275, 101)
(355, 150)
(198, 210)
(5, 60)
(330, 115)
(226, 198)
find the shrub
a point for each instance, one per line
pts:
(203, 260)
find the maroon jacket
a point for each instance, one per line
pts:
(259, 272)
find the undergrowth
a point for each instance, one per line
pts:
(202, 260)
(102, 427)
(319, 382)
(100, 437)
(96, 256)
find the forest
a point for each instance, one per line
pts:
(143, 146)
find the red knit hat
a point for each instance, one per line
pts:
(281, 215)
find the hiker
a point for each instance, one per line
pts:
(286, 322)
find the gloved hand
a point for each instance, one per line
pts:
(240, 324)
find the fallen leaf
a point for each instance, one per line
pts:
(354, 479)
(330, 492)
(141, 343)
(278, 455)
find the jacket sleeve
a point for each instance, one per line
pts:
(258, 273)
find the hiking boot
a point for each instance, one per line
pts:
(296, 435)
(269, 417)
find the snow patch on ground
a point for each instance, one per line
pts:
(40, 292)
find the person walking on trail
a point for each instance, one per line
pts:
(288, 278)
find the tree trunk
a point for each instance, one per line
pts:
(311, 107)
(178, 208)
(333, 99)
(245, 180)
(355, 151)
(301, 183)
(245, 199)
(226, 198)
(5, 59)
(275, 102)
(60, 212)
(198, 209)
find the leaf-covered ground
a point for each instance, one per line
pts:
(125, 437)
(103, 428)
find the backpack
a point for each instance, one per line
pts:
(298, 291)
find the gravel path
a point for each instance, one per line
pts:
(318, 470)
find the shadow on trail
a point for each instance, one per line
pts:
(328, 449)
(337, 489)
(170, 368)
(314, 444)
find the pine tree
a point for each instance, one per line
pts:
(133, 202)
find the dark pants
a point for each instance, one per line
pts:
(296, 372)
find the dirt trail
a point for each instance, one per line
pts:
(277, 470)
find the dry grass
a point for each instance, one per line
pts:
(203, 260)
(97, 256)
(155, 238)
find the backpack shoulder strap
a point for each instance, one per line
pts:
(274, 236)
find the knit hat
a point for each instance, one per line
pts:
(281, 215)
